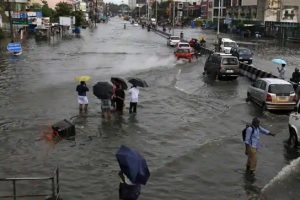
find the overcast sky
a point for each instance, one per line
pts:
(52, 3)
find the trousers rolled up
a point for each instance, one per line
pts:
(252, 158)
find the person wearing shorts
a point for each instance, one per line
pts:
(83, 101)
(105, 108)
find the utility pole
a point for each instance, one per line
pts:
(173, 17)
(96, 14)
(156, 13)
(219, 13)
(10, 21)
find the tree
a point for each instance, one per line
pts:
(35, 7)
(79, 17)
(47, 12)
(62, 9)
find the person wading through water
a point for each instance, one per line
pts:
(252, 143)
(120, 96)
(82, 98)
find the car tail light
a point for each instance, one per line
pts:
(269, 97)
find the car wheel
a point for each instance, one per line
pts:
(248, 97)
(293, 140)
(250, 62)
(190, 60)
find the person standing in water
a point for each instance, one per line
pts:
(120, 97)
(134, 98)
(83, 101)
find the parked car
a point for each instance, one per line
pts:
(184, 53)
(243, 54)
(294, 127)
(222, 65)
(272, 94)
(227, 44)
(173, 40)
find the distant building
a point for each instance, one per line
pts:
(132, 4)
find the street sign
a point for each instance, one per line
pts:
(14, 47)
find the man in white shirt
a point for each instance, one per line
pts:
(134, 98)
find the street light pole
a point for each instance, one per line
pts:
(219, 13)
(156, 12)
(173, 17)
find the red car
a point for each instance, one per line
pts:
(184, 53)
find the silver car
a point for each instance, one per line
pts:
(272, 94)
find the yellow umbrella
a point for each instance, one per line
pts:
(83, 78)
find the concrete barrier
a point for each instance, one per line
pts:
(249, 71)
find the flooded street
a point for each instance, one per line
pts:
(188, 128)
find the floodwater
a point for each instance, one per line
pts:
(188, 128)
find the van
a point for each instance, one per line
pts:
(227, 44)
(222, 65)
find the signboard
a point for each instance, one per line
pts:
(14, 47)
(66, 21)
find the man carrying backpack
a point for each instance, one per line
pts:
(251, 140)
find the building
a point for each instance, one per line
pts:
(132, 4)
(206, 9)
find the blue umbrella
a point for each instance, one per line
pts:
(279, 61)
(133, 165)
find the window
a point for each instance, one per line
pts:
(229, 44)
(244, 51)
(257, 84)
(281, 89)
(263, 85)
(230, 61)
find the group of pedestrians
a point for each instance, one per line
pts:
(115, 102)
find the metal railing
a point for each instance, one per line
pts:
(54, 186)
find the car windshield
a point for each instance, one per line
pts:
(244, 51)
(281, 89)
(183, 51)
(174, 38)
(184, 45)
(229, 61)
(229, 44)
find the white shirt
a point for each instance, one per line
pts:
(134, 94)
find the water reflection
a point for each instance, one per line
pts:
(252, 191)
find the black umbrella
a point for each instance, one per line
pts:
(138, 82)
(119, 81)
(102, 90)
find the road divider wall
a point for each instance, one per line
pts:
(249, 71)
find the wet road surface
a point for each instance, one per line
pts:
(188, 128)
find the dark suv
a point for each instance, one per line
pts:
(221, 65)
(243, 54)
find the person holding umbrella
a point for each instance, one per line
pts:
(82, 98)
(134, 98)
(134, 173)
(120, 97)
(281, 71)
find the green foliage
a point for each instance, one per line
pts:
(47, 12)
(79, 18)
(35, 7)
(62, 9)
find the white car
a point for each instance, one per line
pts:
(294, 127)
(183, 45)
(227, 44)
(173, 41)
(272, 94)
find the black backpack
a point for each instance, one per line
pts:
(245, 131)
